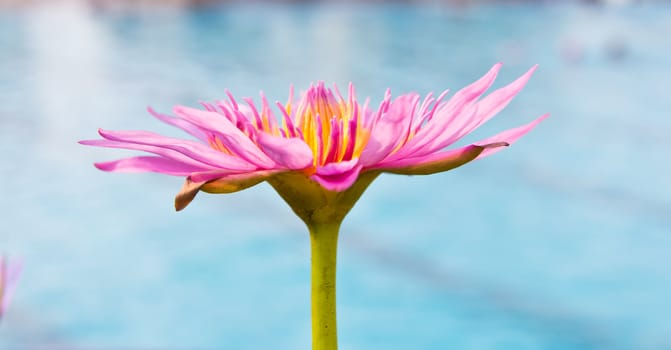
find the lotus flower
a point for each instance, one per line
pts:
(319, 152)
(9, 274)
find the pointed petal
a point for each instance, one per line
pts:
(477, 88)
(180, 123)
(509, 136)
(493, 103)
(153, 164)
(446, 114)
(390, 129)
(191, 149)
(484, 110)
(234, 139)
(487, 108)
(449, 135)
(446, 160)
(338, 176)
(291, 153)
(163, 152)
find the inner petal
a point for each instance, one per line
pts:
(331, 126)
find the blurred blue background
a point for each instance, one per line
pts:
(562, 241)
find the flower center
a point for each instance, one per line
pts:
(335, 128)
(331, 126)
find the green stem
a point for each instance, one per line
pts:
(324, 247)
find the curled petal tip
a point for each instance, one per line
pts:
(187, 193)
(101, 166)
(104, 133)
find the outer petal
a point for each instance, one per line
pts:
(236, 182)
(446, 114)
(163, 152)
(390, 129)
(455, 128)
(223, 183)
(187, 193)
(487, 108)
(291, 153)
(206, 176)
(234, 139)
(437, 162)
(191, 149)
(149, 164)
(338, 177)
(493, 103)
(509, 136)
(181, 124)
(446, 160)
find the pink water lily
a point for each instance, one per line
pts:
(330, 139)
(320, 153)
(9, 274)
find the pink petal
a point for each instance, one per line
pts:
(449, 135)
(181, 124)
(499, 99)
(148, 164)
(509, 136)
(163, 152)
(487, 108)
(290, 153)
(390, 129)
(338, 176)
(446, 160)
(234, 139)
(477, 88)
(446, 114)
(191, 149)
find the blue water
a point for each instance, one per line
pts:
(562, 241)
